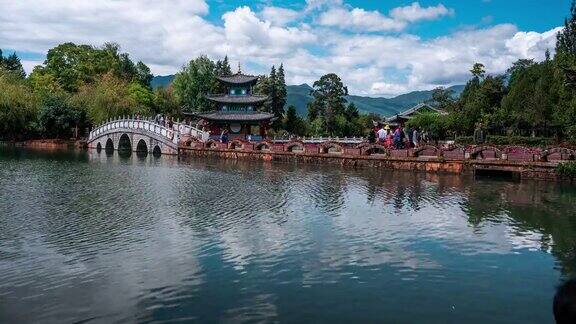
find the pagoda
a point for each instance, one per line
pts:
(237, 112)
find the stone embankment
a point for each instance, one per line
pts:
(526, 163)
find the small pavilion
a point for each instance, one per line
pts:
(237, 111)
(403, 117)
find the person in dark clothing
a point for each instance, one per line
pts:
(410, 132)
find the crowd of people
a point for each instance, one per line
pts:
(399, 137)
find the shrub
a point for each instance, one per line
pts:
(567, 169)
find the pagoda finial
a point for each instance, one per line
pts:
(239, 68)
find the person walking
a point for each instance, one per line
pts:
(479, 135)
(381, 134)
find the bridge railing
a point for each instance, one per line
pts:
(150, 126)
(184, 129)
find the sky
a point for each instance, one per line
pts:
(378, 47)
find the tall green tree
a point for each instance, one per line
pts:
(107, 97)
(165, 102)
(478, 70)
(293, 123)
(328, 102)
(194, 83)
(18, 107)
(281, 94)
(13, 65)
(442, 98)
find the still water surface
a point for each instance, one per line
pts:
(96, 238)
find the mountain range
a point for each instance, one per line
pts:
(299, 96)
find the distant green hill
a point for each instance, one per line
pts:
(161, 81)
(299, 96)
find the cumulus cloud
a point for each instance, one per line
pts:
(363, 20)
(533, 44)
(440, 61)
(155, 31)
(248, 35)
(370, 60)
(279, 16)
(360, 19)
(415, 12)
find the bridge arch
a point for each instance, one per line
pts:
(486, 152)
(331, 148)
(427, 151)
(124, 143)
(295, 147)
(141, 146)
(264, 146)
(374, 149)
(99, 147)
(157, 151)
(236, 145)
(109, 145)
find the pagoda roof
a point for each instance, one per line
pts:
(241, 99)
(232, 116)
(238, 78)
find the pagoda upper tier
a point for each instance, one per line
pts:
(238, 79)
(237, 99)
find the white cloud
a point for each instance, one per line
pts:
(157, 32)
(363, 20)
(247, 35)
(359, 19)
(415, 12)
(279, 16)
(533, 44)
(319, 4)
(167, 36)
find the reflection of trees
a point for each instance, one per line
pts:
(532, 206)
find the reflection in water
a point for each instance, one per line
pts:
(115, 237)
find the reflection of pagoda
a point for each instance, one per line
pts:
(237, 109)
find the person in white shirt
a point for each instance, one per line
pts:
(381, 134)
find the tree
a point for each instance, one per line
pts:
(74, 65)
(328, 101)
(44, 84)
(107, 97)
(17, 107)
(532, 96)
(57, 117)
(143, 74)
(142, 95)
(281, 94)
(478, 70)
(222, 68)
(13, 65)
(566, 39)
(293, 123)
(194, 83)
(274, 87)
(165, 102)
(442, 98)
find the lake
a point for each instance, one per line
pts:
(87, 237)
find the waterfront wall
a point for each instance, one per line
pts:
(528, 163)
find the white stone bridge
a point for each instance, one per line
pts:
(139, 135)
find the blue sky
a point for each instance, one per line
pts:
(379, 48)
